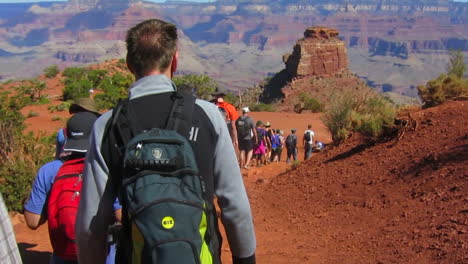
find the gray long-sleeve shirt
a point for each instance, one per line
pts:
(95, 212)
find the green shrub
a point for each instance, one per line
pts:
(80, 81)
(43, 100)
(337, 117)
(456, 65)
(51, 71)
(56, 118)
(64, 106)
(18, 171)
(76, 88)
(360, 111)
(443, 88)
(447, 86)
(17, 181)
(201, 86)
(261, 107)
(114, 88)
(20, 155)
(32, 91)
(310, 103)
(32, 114)
(295, 164)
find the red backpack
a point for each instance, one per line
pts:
(64, 199)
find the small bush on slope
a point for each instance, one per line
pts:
(443, 88)
(447, 86)
(21, 155)
(361, 110)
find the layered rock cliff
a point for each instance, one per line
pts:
(317, 67)
(319, 53)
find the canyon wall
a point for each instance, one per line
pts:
(410, 37)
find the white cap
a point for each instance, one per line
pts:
(245, 109)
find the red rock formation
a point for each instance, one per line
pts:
(319, 53)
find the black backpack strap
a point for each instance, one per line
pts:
(180, 118)
(113, 140)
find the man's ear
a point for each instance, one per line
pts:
(175, 59)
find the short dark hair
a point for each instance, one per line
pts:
(309, 126)
(150, 46)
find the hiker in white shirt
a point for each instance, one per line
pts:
(308, 142)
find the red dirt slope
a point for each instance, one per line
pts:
(397, 202)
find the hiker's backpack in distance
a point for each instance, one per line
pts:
(260, 136)
(243, 128)
(291, 141)
(275, 141)
(307, 136)
(62, 208)
(166, 215)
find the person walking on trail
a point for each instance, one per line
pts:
(275, 145)
(282, 139)
(232, 115)
(48, 197)
(83, 104)
(9, 253)
(120, 137)
(308, 142)
(35, 204)
(268, 134)
(291, 146)
(246, 133)
(260, 144)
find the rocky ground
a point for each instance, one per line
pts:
(399, 201)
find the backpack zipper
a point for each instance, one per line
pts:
(184, 202)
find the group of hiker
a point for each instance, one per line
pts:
(138, 183)
(260, 144)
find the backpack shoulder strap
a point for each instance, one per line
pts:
(113, 139)
(180, 118)
(70, 168)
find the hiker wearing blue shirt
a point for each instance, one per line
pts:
(275, 145)
(35, 208)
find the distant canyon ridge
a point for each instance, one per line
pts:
(394, 45)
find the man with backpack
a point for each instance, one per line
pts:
(308, 142)
(166, 157)
(291, 146)
(246, 133)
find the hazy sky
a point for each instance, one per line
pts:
(30, 1)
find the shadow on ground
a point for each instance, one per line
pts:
(32, 256)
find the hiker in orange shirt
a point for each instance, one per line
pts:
(232, 115)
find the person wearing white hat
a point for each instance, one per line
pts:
(246, 132)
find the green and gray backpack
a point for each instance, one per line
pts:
(166, 213)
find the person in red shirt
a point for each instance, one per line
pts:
(232, 115)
